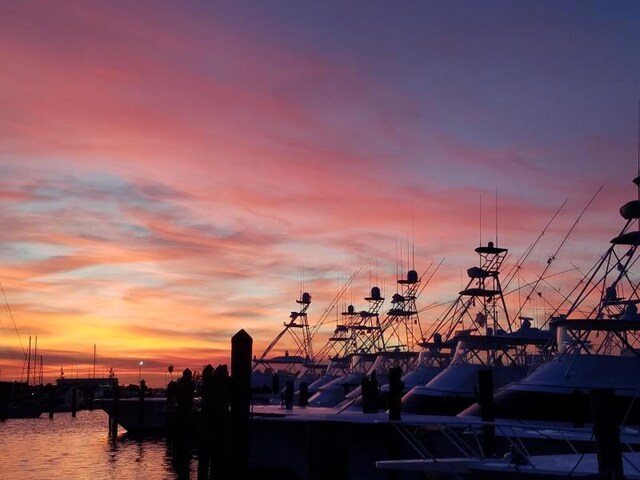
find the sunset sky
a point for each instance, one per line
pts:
(168, 170)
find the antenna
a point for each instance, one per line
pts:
(413, 256)
(496, 215)
(377, 279)
(408, 253)
(481, 219)
(397, 274)
(413, 237)
(350, 272)
(401, 263)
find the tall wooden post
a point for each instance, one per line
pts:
(485, 400)
(141, 407)
(4, 401)
(183, 417)
(241, 354)
(220, 461)
(303, 396)
(365, 386)
(115, 409)
(74, 401)
(607, 433)
(395, 392)
(206, 424)
(374, 390)
(171, 409)
(288, 395)
(51, 400)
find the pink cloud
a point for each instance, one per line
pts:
(163, 169)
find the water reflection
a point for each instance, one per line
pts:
(80, 447)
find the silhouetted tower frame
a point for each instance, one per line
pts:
(610, 283)
(359, 331)
(298, 329)
(401, 328)
(480, 306)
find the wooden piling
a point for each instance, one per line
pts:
(485, 400)
(220, 424)
(288, 395)
(607, 434)
(303, 396)
(141, 395)
(51, 399)
(5, 391)
(170, 409)
(241, 354)
(374, 391)
(182, 434)
(74, 401)
(365, 386)
(115, 409)
(395, 392)
(205, 440)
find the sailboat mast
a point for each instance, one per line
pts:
(29, 361)
(35, 361)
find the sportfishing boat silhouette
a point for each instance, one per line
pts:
(479, 324)
(597, 342)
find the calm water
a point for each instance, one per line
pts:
(78, 448)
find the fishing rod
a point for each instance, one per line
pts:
(323, 318)
(511, 274)
(551, 259)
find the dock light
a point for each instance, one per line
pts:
(140, 372)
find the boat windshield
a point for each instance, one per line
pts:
(497, 351)
(386, 360)
(598, 337)
(361, 362)
(470, 352)
(337, 366)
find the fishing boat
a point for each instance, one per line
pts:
(358, 332)
(392, 342)
(479, 324)
(597, 343)
(271, 373)
(351, 351)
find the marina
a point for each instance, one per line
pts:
(289, 240)
(211, 422)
